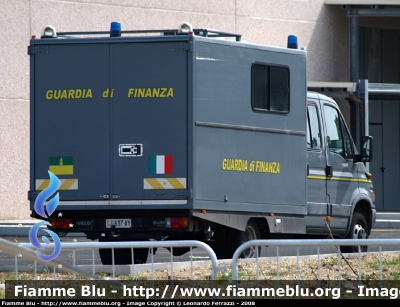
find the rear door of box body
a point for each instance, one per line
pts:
(149, 109)
(110, 120)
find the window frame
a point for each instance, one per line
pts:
(313, 104)
(253, 98)
(343, 130)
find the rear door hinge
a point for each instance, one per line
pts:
(184, 46)
(38, 49)
(32, 195)
(105, 196)
(183, 194)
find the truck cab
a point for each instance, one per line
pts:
(338, 184)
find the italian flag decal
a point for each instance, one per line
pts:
(160, 164)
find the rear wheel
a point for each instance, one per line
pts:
(219, 242)
(358, 230)
(237, 238)
(123, 255)
(105, 256)
(178, 251)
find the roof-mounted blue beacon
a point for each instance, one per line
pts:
(292, 42)
(115, 30)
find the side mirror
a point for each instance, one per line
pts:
(366, 149)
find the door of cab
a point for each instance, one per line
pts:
(316, 164)
(342, 181)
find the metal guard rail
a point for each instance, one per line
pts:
(138, 244)
(306, 242)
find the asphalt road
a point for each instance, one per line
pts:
(162, 255)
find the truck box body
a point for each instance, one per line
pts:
(254, 158)
(144, 129)
(182, 98)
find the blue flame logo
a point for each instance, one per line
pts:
(40, 209)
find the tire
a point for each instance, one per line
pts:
(105, 256)
(358, 230)
(218, 244)
(179, 251)
(237, 238)
(141, 255)
(123, 255)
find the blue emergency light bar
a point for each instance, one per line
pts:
(292, 42)
(115, 30)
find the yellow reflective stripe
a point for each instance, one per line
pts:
(65, 184)
(317, 177)
(164, 183)
(42, 184)
(340, 179)
(152, 183)
(176, 183)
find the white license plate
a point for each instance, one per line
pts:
(119, 223)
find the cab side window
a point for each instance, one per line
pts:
(347, 141)
(337, 136)
(313, 132)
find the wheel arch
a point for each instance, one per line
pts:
(364, 207)
(262, 225)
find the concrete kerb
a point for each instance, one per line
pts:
(389, 220)
(19, 228)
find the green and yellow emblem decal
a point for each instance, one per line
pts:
(61, 165)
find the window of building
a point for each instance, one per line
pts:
(269, 88)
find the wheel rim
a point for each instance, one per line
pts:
(359, 232)
(249, 234)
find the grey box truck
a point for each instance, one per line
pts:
(190, 134)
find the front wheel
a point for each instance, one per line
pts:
(358, 230)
